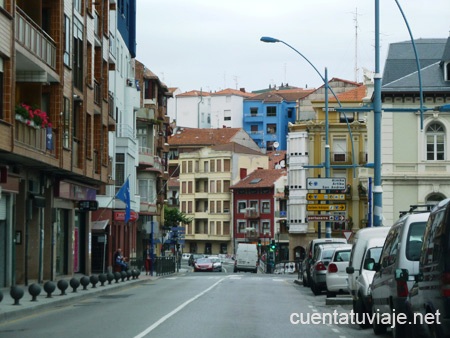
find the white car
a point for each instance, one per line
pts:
(336, 276)
(217, 263)
(185, 256)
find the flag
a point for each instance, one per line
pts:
(124, 195)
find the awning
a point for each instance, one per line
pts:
(100, 225)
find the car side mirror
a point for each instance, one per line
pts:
(369, 264)
(350, 269)
(401, 275)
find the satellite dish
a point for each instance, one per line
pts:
(276, 145)
(282, 163)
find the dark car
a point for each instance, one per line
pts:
(193, 258)
(430, 294)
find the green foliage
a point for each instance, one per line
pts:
(173, 217)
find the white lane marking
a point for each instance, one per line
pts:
(278, 280)
(335, 330)
(171, 277)
(170, 314)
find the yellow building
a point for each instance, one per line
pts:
(348, 145)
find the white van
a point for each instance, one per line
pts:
(246, 258)
(366, 250)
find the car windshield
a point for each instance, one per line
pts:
(342, 256)
(372, 257)
(203, 261)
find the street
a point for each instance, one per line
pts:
(192, 305)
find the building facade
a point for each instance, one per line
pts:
(206, 176)
(57, 155)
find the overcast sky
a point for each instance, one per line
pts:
(215, 44)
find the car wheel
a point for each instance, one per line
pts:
(360, 310)
(377, 327)
(331, 294)
(315, 289)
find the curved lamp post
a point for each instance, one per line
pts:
(327, 145)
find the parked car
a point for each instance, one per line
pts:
(366, 250)
(430, 293)
(401, 250)
(217, 263)
(193, 258)
(336, 276)
(319, 265)
(203, 264)
(306, 265)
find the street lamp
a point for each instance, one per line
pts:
(327, 145)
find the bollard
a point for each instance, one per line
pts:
(123, 275)
(34, 290)
(102, 278)
(109, 277)
(134, 273)
(49, 287)
(85, 282)
(117, 276)
(16, 293)
(94, 280)
(74, 283)
(129, 274)
(62, 285)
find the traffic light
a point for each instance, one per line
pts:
(259, 242)
(272, 245)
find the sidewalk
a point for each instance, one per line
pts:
(27, 306)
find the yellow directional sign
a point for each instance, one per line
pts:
(325, 197)
(326, 207)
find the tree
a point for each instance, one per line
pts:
(173, 217)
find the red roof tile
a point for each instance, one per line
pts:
(262, 178)
(202, 137)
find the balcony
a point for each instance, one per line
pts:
(37, 51)
(298, 228)
(32, 137)
(250, 118)
(146, 157)
(251, 213)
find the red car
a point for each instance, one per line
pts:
(203, 264)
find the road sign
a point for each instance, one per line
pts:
(347, 234)
(334, 183)
(326, 207)
(325, 197)
(326, 218)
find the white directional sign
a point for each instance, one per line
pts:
(326, 207)
(318, 183)
(326, 218)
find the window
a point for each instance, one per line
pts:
(212, 165)
(254, 129)
(242, 205)
(212, 207)
(241, 227)
(254, 111)
(265, 207)
(120, 170)
(447, 71)
(226, 186)
(219, 166)
(265, 227)
(78, 54)
(219, 207)
(290, 112)
(271, 128)
(435, 142)
(146, 191)
(67, 39)
(226, 207)
(190, 187)
(183, 187)
(271, 111)
(1, 88)
(339, 149)
(227, 115)
(78, 5)
(226, 165)
(346, 117)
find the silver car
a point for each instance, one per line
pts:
(320, 261)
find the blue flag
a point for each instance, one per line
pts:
(124, 195)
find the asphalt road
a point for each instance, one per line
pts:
(192, 305)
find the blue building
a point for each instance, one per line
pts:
(266, 116)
